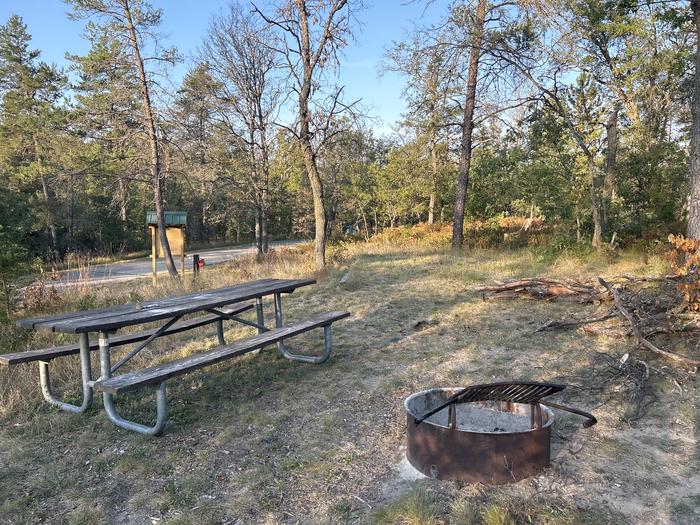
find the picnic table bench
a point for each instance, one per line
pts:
(218, 305)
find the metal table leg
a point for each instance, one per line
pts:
(259, 325)
(86, 376)
(327, 340)
(108, 399)
(260, 314)
(220, 331)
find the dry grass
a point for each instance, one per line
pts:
(265, 440)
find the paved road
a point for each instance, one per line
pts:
(138, 268)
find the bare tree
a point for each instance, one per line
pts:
(131, 21)
(694, 198)
(465, 146)
(310, 34)
(249, 92)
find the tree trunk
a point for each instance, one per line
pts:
(50, 223)
(597, 183)
(265, 190)
(262, 242)
(610, 163)
(320, 219)
(71, 215)
(265, 237)
(694, 198)
(123, 201)
(465, 153)
(364, 222)
(258, 232)
(433, 187)
(578, 227)
(305, 144)
(150, 125)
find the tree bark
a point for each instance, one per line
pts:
(610, 162)
(150, 125)
(265, 237)
(465, 153)
(261, 239)
(597, 182)
(50, 222)
(694, 198)
(305, 144)
(123, 201)
(433, 187)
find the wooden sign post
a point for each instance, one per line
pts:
(154, 253)
(175, 224)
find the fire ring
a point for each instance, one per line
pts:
(495, 434)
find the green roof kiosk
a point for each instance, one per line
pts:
(175, 224)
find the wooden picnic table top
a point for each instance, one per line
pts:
(115, 317)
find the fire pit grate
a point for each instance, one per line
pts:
(489, 433)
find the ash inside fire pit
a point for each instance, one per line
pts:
(479, 417)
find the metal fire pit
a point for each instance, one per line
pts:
(495, 433)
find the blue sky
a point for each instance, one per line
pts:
(185, 23)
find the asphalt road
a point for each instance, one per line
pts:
(139, 268)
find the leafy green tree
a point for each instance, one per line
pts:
(31, 124)
(201, 142)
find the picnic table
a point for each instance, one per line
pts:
(217, 305)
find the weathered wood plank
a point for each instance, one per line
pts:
(140, 316)
(160, 373)
(128, 315)
(46, 354)
(110, 311)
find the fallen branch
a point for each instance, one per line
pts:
(647, 278)
(557, 324)
(638, 333)
(545, 289)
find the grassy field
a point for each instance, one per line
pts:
(266, 440)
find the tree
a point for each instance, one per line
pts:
(453, 52)
(465, 145)
(107, 115)
(634, 53)
(31, 122)
(131, 22)
(249, 94)
(427, 90)
(694, 198)
(201, 141)
(310, 34)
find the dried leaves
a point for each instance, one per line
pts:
(685, 261)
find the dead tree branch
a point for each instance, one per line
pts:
(638, 333)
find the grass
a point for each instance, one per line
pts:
(264, 440)
(415, 508)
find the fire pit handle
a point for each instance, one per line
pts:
(586, 424)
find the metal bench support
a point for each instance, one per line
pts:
(260, 314)
(259, 325)
(327, 340)
(85, 372)
(220, 331)
(108, 399)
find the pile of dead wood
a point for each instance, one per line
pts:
(545, 289)
(649, 306)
